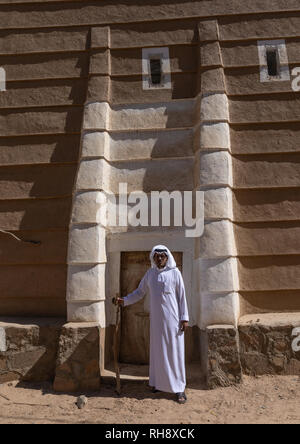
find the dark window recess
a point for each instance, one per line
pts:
(156, 74)
(272, 61)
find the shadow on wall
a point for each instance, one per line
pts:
(39, 197)
(31, 349)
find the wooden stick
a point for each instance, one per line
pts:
(4, 397)
(116, 348)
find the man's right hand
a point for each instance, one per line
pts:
(118, 301)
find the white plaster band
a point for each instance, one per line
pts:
(215, 169)
(96, 116)
(149, 175)
(89, 207)
(122, 146)
(86, 245)
(218, 203)
(86, 283)
(217, 240)
(218, 281)
(219, 309)
(99, 116)
(2, 79)
(95, 144)
(162, 115)
(93, 174)
(3, 346)
(218, 276)
(215, 135)
(151, 144)
(87, 312)
(214, 107)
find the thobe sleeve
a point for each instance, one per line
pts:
(139, 293)
(183, 308)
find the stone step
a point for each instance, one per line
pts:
(139, 373)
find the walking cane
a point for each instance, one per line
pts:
(116, 345)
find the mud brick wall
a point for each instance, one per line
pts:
(265, 144)
(51, 73)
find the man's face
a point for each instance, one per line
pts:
(160, 260)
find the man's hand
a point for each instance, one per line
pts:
(118, 301)
(184, 325)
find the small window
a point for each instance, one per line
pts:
(156, 73)
(156, 68)
(273, 59)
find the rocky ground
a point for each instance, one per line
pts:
(267, 399)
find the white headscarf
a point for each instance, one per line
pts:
(171, 261)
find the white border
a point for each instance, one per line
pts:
(163, 54)
(174, 240)
(2, 79)
(280, 47)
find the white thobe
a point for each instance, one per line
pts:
(168, 307)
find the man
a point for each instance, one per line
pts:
(168, 321)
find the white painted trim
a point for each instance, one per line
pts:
(214, 108)
(86, 283)
(88, 311)
(3, 347)
(280, 47)
(215, 135)
(126, 242)
(215, 169)
(2, 79)
(96, 116)
(86, 244)
(141, 241)
(219, 275)
(164, 56)
(218, 281)
(223, 308)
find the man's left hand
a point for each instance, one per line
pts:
(184, 325)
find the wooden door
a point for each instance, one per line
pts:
(135, 330)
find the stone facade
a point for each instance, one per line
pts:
(266, 344)
(78, 358)
(72, 355)
(77, 120)
(49, 350)
(28, 349)
(223, 365)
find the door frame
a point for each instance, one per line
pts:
(126, 242)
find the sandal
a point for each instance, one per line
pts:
(181, 398)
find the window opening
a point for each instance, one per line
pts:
(272, 62)
(156, 71)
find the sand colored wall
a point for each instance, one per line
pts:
(41, 115)
(137, 140)
(264, 121)
(58, 63)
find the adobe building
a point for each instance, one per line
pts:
(182, 95)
